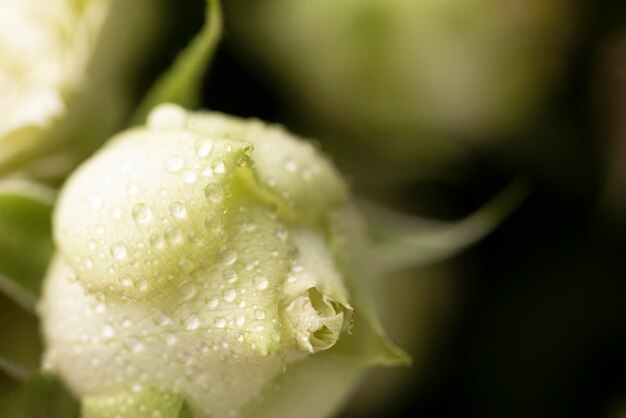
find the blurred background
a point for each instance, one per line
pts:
(431, 108)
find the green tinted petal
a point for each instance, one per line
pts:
(293, 169)
(145, 403)
(146, 210)
(315, 306)
(192, 346)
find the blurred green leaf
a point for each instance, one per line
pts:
(41, 396)
(181, 82)
(20, 351)
(25, 239)
(142, 404)
(409, 242)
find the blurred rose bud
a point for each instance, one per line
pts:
(62, 68)
(215, 258)
(408, 74)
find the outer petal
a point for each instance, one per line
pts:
(132, 219)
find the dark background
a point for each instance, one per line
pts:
(536, 322)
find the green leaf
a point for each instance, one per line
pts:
(25, 239)
(403, 244)
(20, 354)
(181, 82)
(141, 404)
(41, 396)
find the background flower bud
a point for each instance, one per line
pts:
(407, 79)
(212, 257)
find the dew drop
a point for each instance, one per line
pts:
(89, 263)
(248, 227)
(142, 284)
(227, 256)
(173, 234)
(260, 282)
(204, 147)
(290, 166)
(241, 320)
(157, 241)
(174, 163)
(95, 202)
(189, 176)
(185, 265)
(126, 281)
(178, 210)
(187, 290)
(281, 233)
(118, 251)
(160, 319)
(170, 339)
(108, 331)
(214, 193)
(191, 322)
(133, 344)
(219, 322)
(141, 213)
(213, 223)
(213, 302)
(167, 116)
(116, 213)
(258, 314)
(230, 275)
(230, 295)
(218, 166)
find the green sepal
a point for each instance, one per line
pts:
(41, 396)
(145, 403)
(25, 239)
(411, 242)
(181, 83)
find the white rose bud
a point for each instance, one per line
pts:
(215, 258)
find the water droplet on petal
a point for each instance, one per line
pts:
(230, 275)
(174, 163)
(204, 147)
(218, 167)
(260, 282)
(141, 213)
(219, 322)
(189, 176)
(213, 302)
(214, 193)
(157, 241)
(187, 290)
(173, 234)
(178, 210)
(95, 202)
(191, 322)
(108, 331)
(230, 295)
(118, 251)
(227, 256)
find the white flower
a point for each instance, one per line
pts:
(215, 258)
(55, 66)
